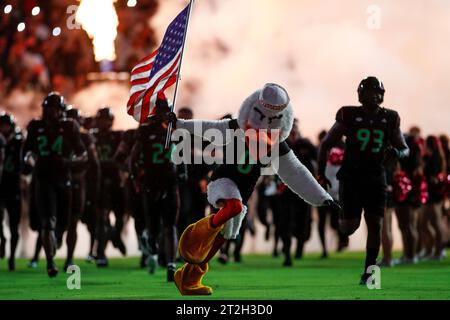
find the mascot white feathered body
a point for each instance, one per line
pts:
(266, 111)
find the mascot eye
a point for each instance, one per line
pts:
(262, 115)
(275, 118)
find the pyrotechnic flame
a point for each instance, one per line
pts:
(99, 19)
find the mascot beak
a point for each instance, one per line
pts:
(266, 135)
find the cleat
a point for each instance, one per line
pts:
(275, 253)
(11, 265)
(364, 278)
(237, 258)
(143, 262)
(406, 261)
(152, 263)
(68, 264)
(89, 258)
(102, 262)
(223, 258)
(287, 262)
(171, 273)
(32, 264)
(117, 242)
(324, 255)
(52, 271)
(385, 264)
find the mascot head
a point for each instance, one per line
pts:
(267, 108)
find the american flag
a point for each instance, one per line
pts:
(158, 71)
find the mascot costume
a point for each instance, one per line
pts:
(232, 184)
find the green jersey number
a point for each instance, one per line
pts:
(159, 155)
(104, 152)
(365, 135)
(56, 147)
(245, 168)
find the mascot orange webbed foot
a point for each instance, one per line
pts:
(188, 280)
(198, 244)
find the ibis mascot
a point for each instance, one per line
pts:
(263, 113)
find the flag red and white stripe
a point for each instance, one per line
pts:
(158, 71)
(144, 92)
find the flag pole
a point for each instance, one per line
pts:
(172, 108)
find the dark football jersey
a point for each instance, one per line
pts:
(12, 165)
(2, 142)
(106, 144)
(155, 160)
(367, 137)
(246, 174)
(79, 171)
(306, 152)
(53, 145)
(128, 137)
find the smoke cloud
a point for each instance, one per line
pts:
(318, 50)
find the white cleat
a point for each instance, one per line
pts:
(152, 263)
(32, 264)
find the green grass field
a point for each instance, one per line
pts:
(258, 277)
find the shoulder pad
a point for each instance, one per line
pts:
(345, 112)
(34, 124)
(393, 116)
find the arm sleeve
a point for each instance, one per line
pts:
(78, 144)
(28, 144)
(300, 180)
(340, 115)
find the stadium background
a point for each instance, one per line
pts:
(318, 50)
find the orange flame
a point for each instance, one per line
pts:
(99, 19)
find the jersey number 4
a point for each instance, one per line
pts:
(365, 135)
(56, 146)
(159, 154)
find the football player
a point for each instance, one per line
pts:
(112, 195)
(10, 191)
(133, 192)
(78, 174)
(296, 217)
(269, 195)
(157, 177)
(373, 135)
(52, 147)
(90, 213)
